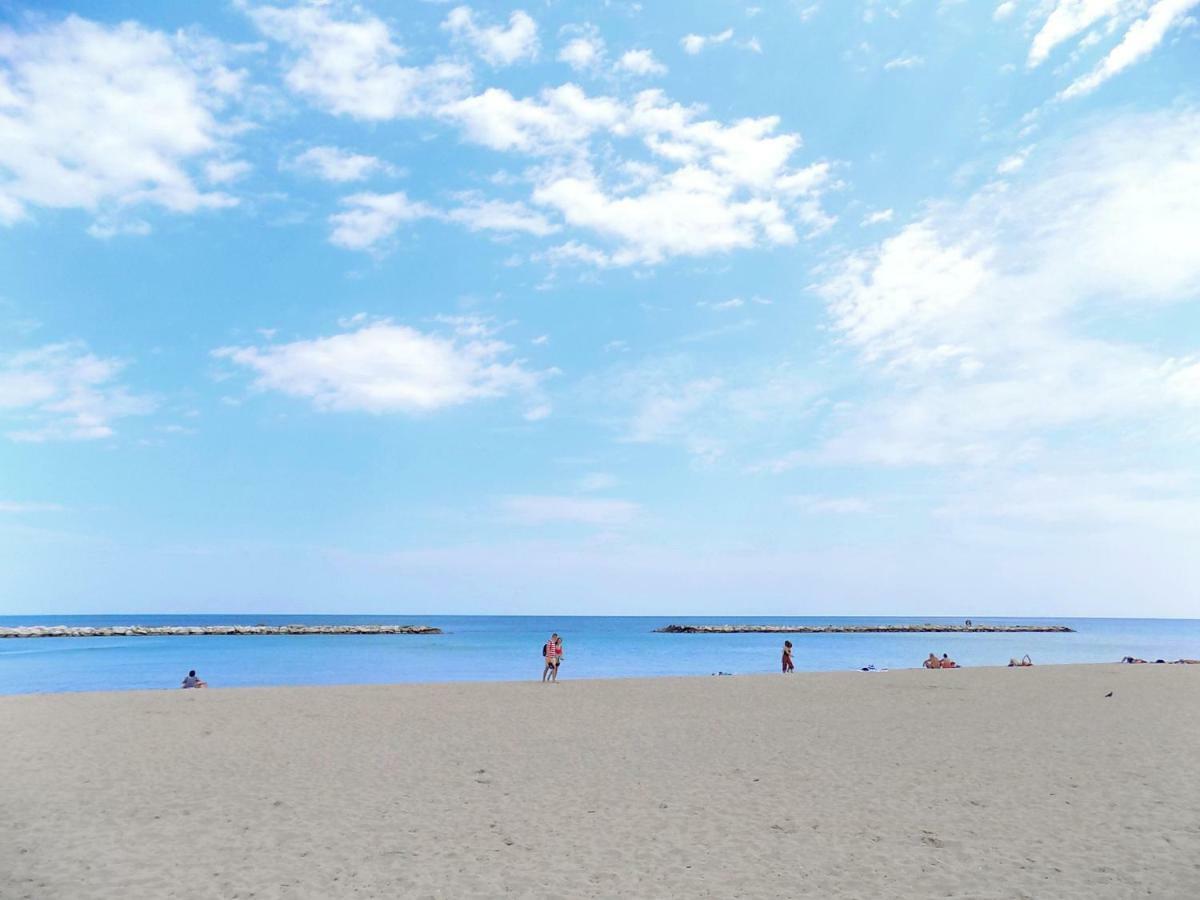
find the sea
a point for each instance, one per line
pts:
(508, 648)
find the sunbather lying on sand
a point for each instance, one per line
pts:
(1020, 663)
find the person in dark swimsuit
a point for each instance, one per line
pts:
(788, 665)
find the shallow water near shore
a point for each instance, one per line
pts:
(507, 648)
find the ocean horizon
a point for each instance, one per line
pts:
(507, 648)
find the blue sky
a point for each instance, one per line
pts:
(862, 307)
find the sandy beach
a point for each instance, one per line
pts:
(980, 783)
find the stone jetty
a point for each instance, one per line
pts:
(927, 628)
(48, 631)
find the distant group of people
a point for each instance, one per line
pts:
(1174, 662)
(552, 654)
(944, 663)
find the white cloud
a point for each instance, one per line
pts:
(382, 367)
(688, 213)
(371, 219)
(905, 62)
(585, 51)
(338, 165)
(559, 120)
(551, 510)
(967, 320)
(350, 65)
(479, 214)
(712, 188)
(640, 62)
(1145, 24)
(1067, 19)
(64, 392)
(69, 142)
(878, 217)
(706, 186)
(495, 44)
(1004, 10)
(1139, 41)
(695, 43)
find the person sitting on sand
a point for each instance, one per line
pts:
(1022, 663)
(947, 663)
(788, 665)
(192, 681)
(933, 662)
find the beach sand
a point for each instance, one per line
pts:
(980, 783)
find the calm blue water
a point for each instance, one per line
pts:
(503, 648)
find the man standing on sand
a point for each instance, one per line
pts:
(550, 653)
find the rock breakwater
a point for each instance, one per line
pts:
(47, 631)
(928, 628)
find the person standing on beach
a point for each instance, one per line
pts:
(788, 665)
(558, 654)
(549, 656)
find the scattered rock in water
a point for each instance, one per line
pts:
(49, 631)
(928, 628)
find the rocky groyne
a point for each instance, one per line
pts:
(49, 631)
(928, 628)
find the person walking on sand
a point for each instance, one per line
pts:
(192, 681)
(549, 656)
(788, 665)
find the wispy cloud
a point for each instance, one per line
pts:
(65, 392)
(695, 43)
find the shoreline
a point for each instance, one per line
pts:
(799, 674)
